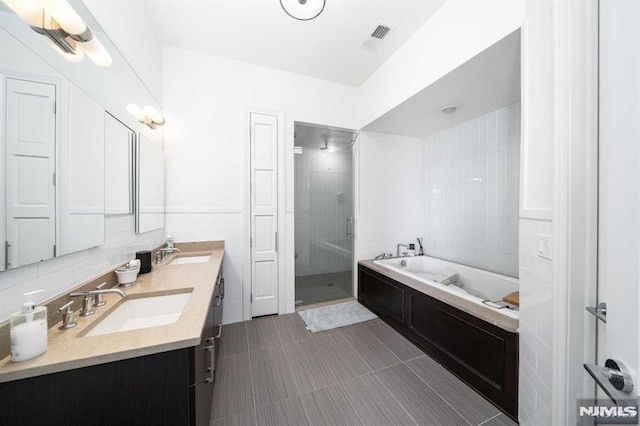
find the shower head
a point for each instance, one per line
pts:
(327, 147)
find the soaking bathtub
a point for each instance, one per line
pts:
(452, 323)
(472, 289)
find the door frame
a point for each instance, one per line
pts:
(282, 194)
(575, 213)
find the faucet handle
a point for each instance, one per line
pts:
(67, 316)
(98, 299)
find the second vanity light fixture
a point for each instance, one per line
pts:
(303, 10)
(147, 115)
(63, 27)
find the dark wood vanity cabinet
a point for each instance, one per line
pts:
(481, 354)
(168, 388)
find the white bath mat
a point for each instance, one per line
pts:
(334, 316)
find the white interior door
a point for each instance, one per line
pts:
(30, 161)
(264, 214)
(619, 192)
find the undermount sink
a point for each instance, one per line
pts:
(183, 260)
(142, 312)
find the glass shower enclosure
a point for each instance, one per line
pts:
(323, 173)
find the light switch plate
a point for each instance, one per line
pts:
(544, 247)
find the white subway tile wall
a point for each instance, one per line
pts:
(226, 226)
(323, 203)
(59, 275)
(389, 193)
(471, 175)
(536, 319)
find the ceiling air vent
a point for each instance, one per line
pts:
(376, 38)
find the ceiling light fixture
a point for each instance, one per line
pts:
(67, 31)
(449, 109)
(303, 10)
(147, 115)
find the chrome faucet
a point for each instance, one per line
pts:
(404, 253)
(383, 256)
(87, 302)
(161, 253)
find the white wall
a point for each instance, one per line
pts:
(128, 25)
(471, 185)
(389, 193)
(459, 30)
(536, 210)
(206, 100)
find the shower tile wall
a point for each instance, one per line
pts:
(321, 214)
(471, 181)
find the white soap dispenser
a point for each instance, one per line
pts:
(28, 330)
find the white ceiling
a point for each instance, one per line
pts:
(485, 83)
(259, 32)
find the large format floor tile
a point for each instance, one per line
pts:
(420, 401)
(235, 340)
(282, 413)
(343, 360)
(291, 328)
(272, 380)
(461, 397)
(372, 351)
(273, 371)
(233, 389)
(373, 403)
(329, 406)
(308, 367)
(262, 333)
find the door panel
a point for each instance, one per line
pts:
(264, 214)
(619, 192)
(30, 157)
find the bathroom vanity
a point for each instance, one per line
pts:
(160, 375)
(481, 353)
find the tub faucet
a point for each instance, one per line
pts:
(383, 256)
(403, 253)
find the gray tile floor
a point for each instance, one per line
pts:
(324, 287)
(272, 371)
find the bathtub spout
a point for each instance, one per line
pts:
(383, 256)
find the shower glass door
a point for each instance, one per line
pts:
(323, 165)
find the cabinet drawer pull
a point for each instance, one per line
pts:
(209, 377)
(222, 286)
(219, 298)
(219, 332)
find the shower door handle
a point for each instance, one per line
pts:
(349, 231)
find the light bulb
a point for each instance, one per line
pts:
(154, 115)
(137, 112)
(64, 14)
(27, 10)
(98, 54)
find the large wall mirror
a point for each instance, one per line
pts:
(66, 145)
(150, 184)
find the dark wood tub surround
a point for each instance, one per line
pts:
(483, 355)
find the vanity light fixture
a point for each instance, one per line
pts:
(147, 115)
(63, 27)
(303, 10)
